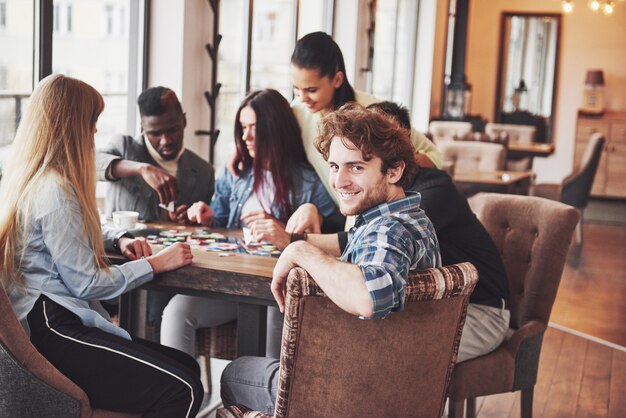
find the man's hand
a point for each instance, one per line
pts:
(270, 230)
(162, 182)
(200, 213)
(285, 263)
(250, 217)
(134, 248)
(306, 218)
(179, 215)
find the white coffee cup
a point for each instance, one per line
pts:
(125, 219)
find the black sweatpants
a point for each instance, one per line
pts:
(117, 374)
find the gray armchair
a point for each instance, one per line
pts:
(576, 188)
(32, 387)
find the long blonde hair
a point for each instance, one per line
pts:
(55, 136)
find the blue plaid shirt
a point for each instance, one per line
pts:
(386, 242)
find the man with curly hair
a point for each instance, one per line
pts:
(371, 161)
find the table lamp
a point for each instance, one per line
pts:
(593, 97)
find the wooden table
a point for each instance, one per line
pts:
(473, 181)
(533, 149)
(521, 150)
(241, 278)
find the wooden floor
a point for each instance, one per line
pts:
(581, 376)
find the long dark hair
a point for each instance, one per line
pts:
(278, 145)
(318, 51)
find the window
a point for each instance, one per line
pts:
(272, 38)
(272, 43)
(394, 50)
(104, 62)
(62, 20)
(57, 18)
(3, 15)
(313, 16)
(68, 18)
(16, 67)
(108, 12)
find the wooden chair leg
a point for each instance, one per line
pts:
(579, 230)
(455, 408)
(526, 403)
(470, 406)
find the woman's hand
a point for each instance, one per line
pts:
(171, 258)
(134, 248)
(250, 217)
(306, 218)
(272, 231)
(200, 213)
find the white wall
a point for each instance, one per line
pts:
(588, 40)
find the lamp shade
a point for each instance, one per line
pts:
(595, 78)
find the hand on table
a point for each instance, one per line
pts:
(272, 231)
(171, 258)
(200, 213)
(162, 182)
(134, 248)
(306, 218)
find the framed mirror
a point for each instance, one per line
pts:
(527, 71)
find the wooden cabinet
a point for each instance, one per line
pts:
(610, 179)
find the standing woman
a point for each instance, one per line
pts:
(318, 74)
(274, 179)
(54, 269)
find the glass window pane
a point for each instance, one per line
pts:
(230, 58)
(394, 47)
(310, 17)
(16, 67)
(92, 44)
(272, 45)
(384, 49)
(405, 37)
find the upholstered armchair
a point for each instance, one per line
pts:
(448, 130)
(516, 133)
(29, 385)
(335, 364)
(575, 189)
(533, 237)
(472, 155)
(524, 134)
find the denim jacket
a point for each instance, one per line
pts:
(232, 192)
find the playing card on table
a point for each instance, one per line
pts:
(169, 207)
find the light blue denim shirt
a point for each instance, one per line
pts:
(58, 262)
(232, 192)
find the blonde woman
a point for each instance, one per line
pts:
(54, 269)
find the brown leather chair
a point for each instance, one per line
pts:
(334, 364)
(29, 385)
(533, 237)
(575, 189)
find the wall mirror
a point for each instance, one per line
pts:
(527, 71)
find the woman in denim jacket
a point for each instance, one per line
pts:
(273, 179)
